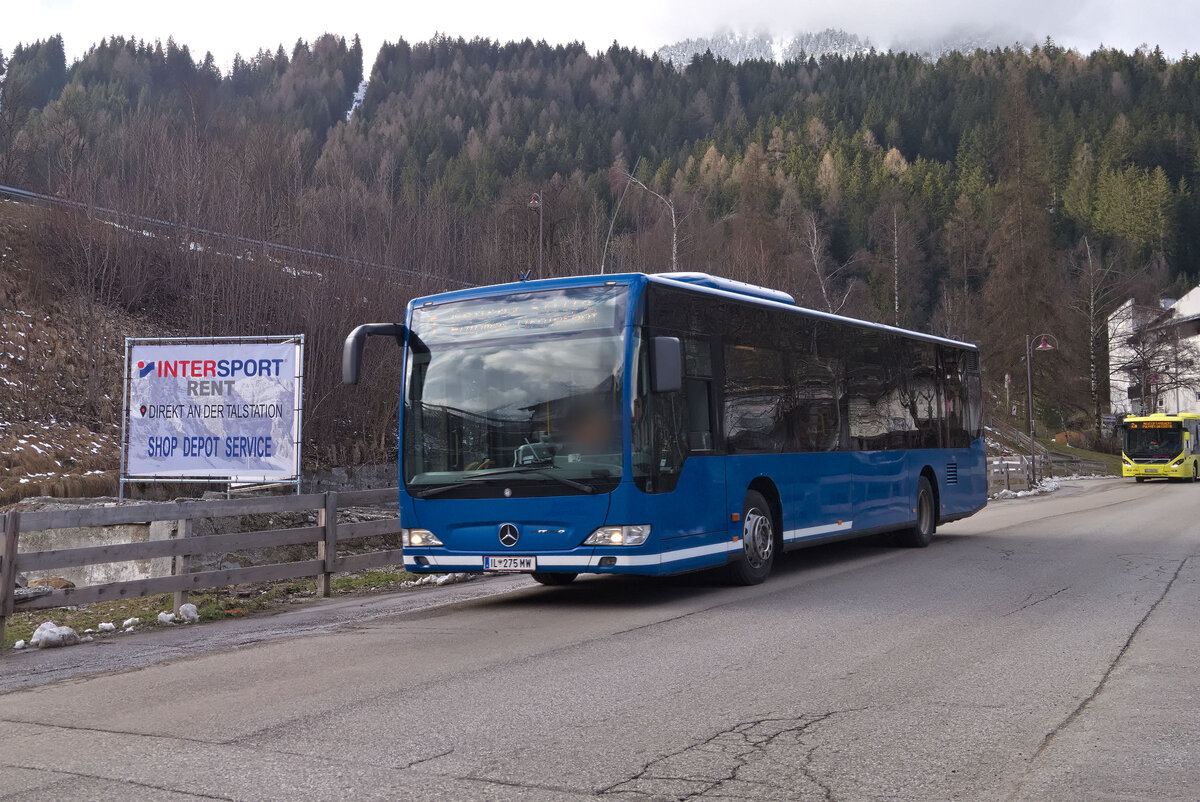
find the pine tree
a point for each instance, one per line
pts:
(1023, 287)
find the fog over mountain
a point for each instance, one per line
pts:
(228, 26)
(941, 25)
(736, 47)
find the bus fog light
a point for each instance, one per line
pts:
(634, 535)
(418, 537)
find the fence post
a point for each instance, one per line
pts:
(182, 562)
(327, 548)
(8, 567)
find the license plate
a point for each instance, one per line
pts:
(510, 563)
(1151, 470)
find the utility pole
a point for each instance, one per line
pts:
(895, 266)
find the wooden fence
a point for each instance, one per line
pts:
(1008, 473)
(1011, 472)
(327, 534)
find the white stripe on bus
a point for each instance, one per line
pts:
(813, 531)
(573, 561)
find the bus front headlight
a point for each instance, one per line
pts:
(634, 535)
(418, 537)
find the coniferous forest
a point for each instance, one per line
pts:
(985, 196)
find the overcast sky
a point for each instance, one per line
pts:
(226, 27)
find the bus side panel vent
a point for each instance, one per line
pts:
(951, 473)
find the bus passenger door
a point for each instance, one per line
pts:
(876, 424)
(706, 479)
(701, 487)
(683, 459)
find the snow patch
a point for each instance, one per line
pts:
(166, 618)
(50, 636)
(1041, 488)
(439, 580)
(106, 626)
(189, 613)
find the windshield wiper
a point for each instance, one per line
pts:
(434, 491)
(540, 470)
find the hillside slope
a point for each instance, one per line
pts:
(50, 442)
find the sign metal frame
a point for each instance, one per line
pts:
(228, 481)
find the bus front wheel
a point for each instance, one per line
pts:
(1139, 479)
(548, 578)
(921, 533)
(758, 542)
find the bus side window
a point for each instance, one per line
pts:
(754, 400)
(812, 412)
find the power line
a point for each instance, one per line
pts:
(121, 217)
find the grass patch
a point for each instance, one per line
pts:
(213, 605)
(383, 579)
(1111, 462)
(21, 625)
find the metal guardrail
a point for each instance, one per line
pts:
(327, 534)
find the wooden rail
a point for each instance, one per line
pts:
(1012, 472)
(326, 535)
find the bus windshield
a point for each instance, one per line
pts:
(1158, 442)
(524, 389)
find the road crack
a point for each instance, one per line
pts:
(724, 763)
(1026, 603)
(1112, 666)
(124, 780)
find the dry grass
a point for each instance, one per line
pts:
(48, 444)
(212, 605)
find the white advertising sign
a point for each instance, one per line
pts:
(227, 411)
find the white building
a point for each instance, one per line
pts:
(1154, 357)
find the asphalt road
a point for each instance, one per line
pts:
(1044, 649)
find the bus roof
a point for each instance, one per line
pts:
(1163, 416)
(693, 282)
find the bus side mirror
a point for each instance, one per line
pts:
(352, 350)
(668, 365)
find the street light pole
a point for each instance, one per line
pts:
(535, 202)
(1046, 342)
(1029, 407)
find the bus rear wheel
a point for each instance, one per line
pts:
(758, 542)
(548, 578)
(1139, 479)
(921, 533)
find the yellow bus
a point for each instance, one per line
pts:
(1161, 447)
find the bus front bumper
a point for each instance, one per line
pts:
(1179, 471)
(585, 560)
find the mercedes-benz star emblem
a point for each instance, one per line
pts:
(509, 535)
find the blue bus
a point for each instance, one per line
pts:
(658, 424)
